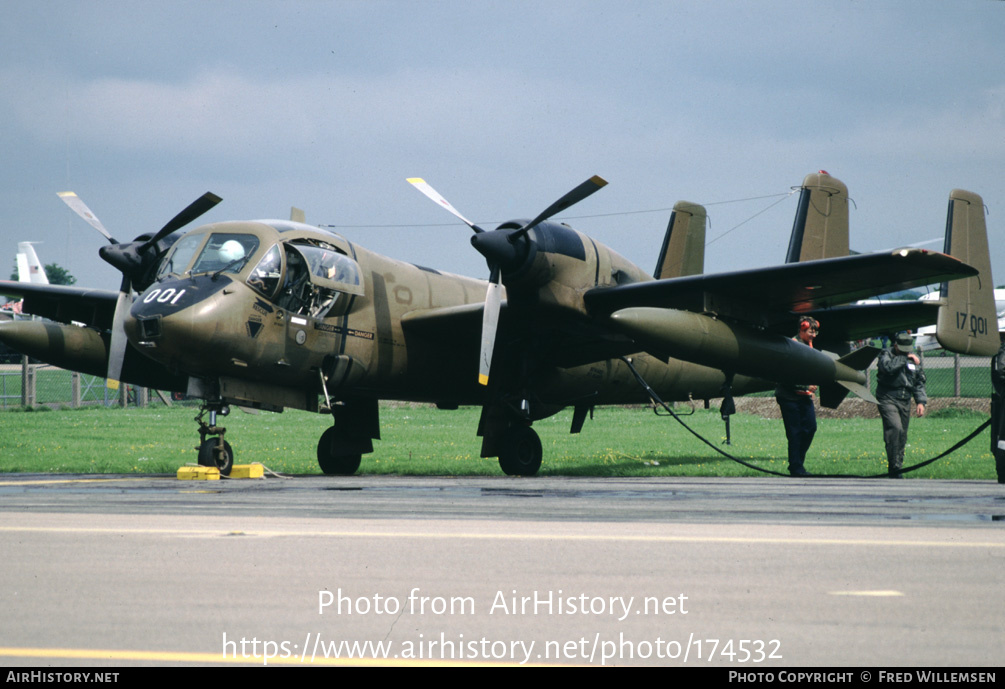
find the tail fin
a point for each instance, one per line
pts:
(820, 229)
(967, 322)
(683, 251)
(832, 394)
(29, 268)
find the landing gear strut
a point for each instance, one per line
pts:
(214, 451)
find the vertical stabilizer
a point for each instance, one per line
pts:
(820, 229)
(683, 251)
(29, 268)
(967, 322)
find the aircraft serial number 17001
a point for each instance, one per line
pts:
(274, 314)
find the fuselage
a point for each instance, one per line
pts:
(280, 305)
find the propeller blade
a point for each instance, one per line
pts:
(81, 209)
(117, 346)
(590, 186)
(490, 322)
(424, 187)
(201, 205)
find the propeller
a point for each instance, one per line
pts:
(594, 184)
(504, 250)
(424, 187)
(490, 322)
(134, 261)
(81, 209)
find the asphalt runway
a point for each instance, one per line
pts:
(738, 573)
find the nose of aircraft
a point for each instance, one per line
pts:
(179, 323)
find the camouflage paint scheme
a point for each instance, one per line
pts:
(276, 314)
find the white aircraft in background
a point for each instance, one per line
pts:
(29, 268)
(925, 337)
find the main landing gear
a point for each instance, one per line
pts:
(356, 424)
(505, 422)
(506, 434)
(520, 451)
(332, 457)
(214, 451)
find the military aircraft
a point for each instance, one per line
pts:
(276, 314)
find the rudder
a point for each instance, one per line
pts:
(820, 229)
(683, 251)
(967, 322)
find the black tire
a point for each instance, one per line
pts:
(521, 452)
(210, 455)
(331, 461)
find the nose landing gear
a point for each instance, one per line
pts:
(214, 451)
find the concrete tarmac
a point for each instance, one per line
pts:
(738, 573)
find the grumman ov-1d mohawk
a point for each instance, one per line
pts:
(274, 314)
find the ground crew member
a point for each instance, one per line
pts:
(998, 411)
(900, 377)
(796, 404)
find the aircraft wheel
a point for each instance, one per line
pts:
(210, 455)
(331, 461)
(521, 452)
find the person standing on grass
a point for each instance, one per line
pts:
(796, 404)
(899, 378)
(998, 411)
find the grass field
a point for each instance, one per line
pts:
(425, 441)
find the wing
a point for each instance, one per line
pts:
(765, 296)
(564, 339)
(75, 348)
(65, 304)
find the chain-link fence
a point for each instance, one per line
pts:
(31, 384)
(951, 375)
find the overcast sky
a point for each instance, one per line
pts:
(140, 107)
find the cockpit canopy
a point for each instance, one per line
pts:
(298, 270)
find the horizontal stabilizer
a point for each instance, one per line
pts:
(860, 321)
